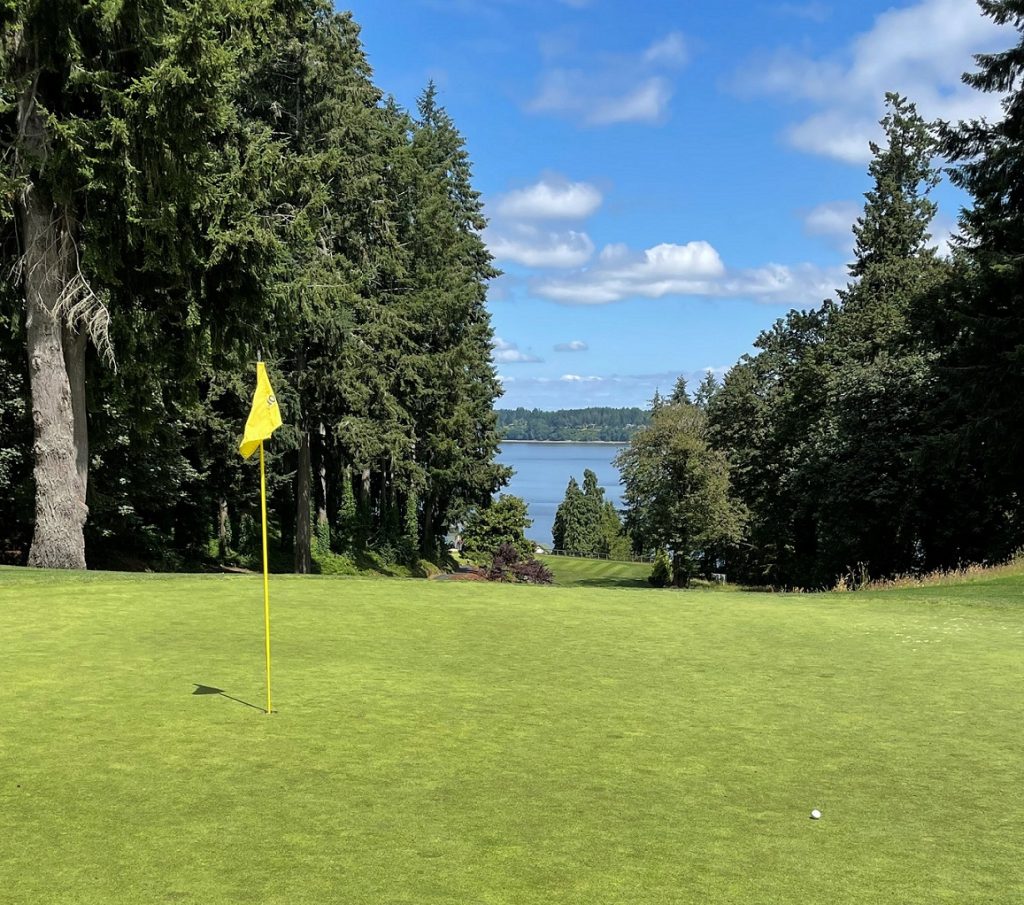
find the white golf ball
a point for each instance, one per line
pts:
(815, 814)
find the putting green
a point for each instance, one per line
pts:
(468, 743)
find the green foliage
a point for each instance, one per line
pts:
(826, 426)
(661, 571)
(677, 489)
(586, 523)
(977, 436)
(239, 184)
(487, 528)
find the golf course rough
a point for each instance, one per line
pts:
(445, 743)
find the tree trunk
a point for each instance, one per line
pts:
(74, 360)
(223, 529)
(58, 541)
(319, 456)
(303, 475)
(46, 268)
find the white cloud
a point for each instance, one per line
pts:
(646, 103)
(624, 88)
(670, 50)
(695, 270)
(552, 198)
(521, 243)
(919, 50)
(833, 219)
(577, 378)
(572, 92)
(510, 353)
(576, 345)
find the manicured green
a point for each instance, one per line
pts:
(472, 743)
(572, 572)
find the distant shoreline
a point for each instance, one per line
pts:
(563, 442)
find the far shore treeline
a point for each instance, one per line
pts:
(615, 425)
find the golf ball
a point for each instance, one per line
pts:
(815, 814)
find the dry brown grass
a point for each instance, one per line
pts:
(856, 579)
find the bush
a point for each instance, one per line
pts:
(509, 565)
(334, 564)
(661, 574)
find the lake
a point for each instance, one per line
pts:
(543, 471)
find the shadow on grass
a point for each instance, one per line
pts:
(209, 689)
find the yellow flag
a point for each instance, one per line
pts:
(265, 416)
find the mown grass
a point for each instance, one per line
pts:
(570, 571)
(446, 743)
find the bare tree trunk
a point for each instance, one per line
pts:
(223, 529)
(323, 529)
(46, 268)
(74, 360)
(58, 541)
(303, 476)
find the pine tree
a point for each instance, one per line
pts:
(113, 157)
(569, 530)
(983, 366)
(878, 372)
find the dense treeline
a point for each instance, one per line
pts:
(588, 524)
(184, 185)
(883, 432)
(603, 424)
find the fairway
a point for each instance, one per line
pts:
(571, 571)
(447, 743)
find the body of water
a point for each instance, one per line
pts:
(543, 471)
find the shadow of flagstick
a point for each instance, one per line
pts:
(209, 689)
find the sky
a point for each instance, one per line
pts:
(663, 180)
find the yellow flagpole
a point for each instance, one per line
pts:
(266, 576)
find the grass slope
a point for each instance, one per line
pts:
(445, 743)
(571, 571)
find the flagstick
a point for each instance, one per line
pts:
(266, 577)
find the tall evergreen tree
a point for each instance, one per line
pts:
(983, 327)
(878, 383)
(112, 155)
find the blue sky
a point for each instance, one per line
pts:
(665, 179)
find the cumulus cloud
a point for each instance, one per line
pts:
(510, 353)
(522, 243)
(919, 50)
(576, 345)
(630, 88)
(693, 269)
(552, 198)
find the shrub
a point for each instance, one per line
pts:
(661, 574)
(509, 565)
